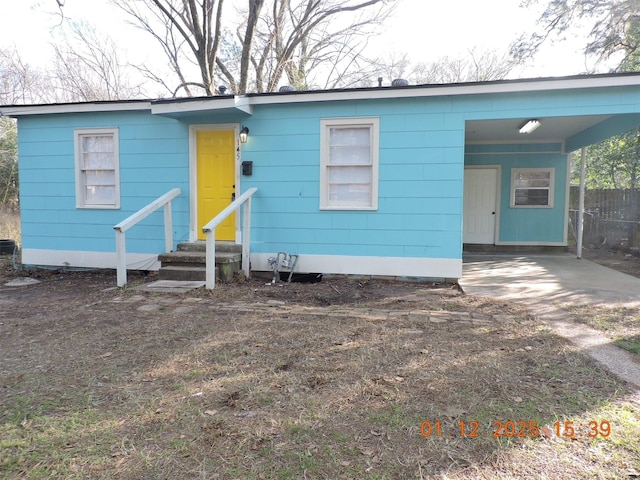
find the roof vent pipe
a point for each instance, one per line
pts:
(379, 82)
(287, 88)
(399, 82)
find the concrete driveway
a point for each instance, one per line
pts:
(559, 278)
(546, 283)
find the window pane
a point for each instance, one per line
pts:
(532, 178)
(350, 194)
(350, 155)
(349, 136)
(350, 146)
(533, 175)
(532, 183)
(349, 174)
(100, 195)
(93, 161)
(97, 143)
(529, 196)
(350, 185)
(100, 177)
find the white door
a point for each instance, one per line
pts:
(480, 192)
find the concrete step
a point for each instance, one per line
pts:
(189, 261)
(200, 246)
(191, 258)
(182, 273)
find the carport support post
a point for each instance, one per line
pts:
(583, 169)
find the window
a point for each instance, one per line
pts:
(97, 169)
(349, 164)
(532, 187)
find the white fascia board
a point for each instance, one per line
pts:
(237, 102)
(530, 85)
(23, 110)
(245, 103)
(191, 106)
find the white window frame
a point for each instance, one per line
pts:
(550, 188)
(81, 200)
(373, 123)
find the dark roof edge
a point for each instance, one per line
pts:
(404, 88)
(96, 103)
(146, 104)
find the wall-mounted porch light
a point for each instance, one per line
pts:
(244, 133)
(529, 126)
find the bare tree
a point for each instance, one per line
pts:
(177, 25)
(278, 38)
(247, 42)
(8, 164)
(477, 66)
(89, 66)
(316, 43)
(19, 82)
(86, 67)
(614, 27)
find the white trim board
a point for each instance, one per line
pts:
(377, 266)
(535, 244)
(246, 102)
(329, 264)
(81, 107)
(87, 259)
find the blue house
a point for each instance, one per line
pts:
(389, 181)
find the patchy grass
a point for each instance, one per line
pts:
(621, 323)
(267, 382)
(631, 344)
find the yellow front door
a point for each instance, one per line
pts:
(216, 179)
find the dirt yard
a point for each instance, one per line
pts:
(343, 379)
(624, 261)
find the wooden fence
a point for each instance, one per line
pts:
(620, 204)
(612, 217)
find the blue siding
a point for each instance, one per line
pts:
(604, 101)
(606, 129)
(420, 186)
(154, 157)
(422, 157)
(526, 225)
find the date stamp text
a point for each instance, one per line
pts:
(517, 429)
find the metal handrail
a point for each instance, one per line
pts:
(130, 221)
(210, 234)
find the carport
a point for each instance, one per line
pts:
(516, 150)
(558, 278)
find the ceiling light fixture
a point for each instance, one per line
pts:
(529, 126)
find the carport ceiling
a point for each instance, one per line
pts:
(551, 129)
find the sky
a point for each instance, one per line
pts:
(426, 29)
(430, 29)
